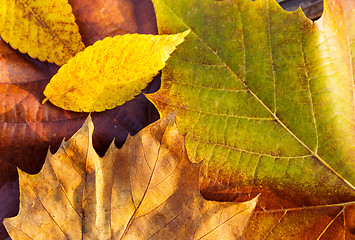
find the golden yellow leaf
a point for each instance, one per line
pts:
(44, 29)
(146, 190)
(110, 72)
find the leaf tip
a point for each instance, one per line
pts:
(45, 100)
(184, 34)
(172, 116)
(89, 122)
(181, 36)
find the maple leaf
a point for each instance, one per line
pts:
(266, 99)
(267, 103)
(148, 189)
(110, 72)
(28, 128)
(44, 29)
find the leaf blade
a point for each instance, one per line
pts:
(45, 30)
(268, 130)
(147, 189)
(123, 66)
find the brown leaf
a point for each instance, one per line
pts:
(113, 17)
(10, 192)
(28, 128)
(321, 222)
(146, 190)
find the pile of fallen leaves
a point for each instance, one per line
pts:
(257, 132)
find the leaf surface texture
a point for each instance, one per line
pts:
(317, 222)
(111, 72)
(265, 97)
(44, 29)
(28, 128)
(146, 190)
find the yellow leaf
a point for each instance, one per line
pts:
(148, 189)
(44, 29)
(110, 72)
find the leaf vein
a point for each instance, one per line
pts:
(283, 125)
(47, 210)
(208, 88)
(245, 151)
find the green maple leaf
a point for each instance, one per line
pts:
(265, 97)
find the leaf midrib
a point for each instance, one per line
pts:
(133, 216)
(65, 43)
(319, 158)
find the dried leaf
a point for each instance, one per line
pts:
(147, 189)
(110, 72)
(44, 29)
(319, 222)
(28, 128)
(8, 207)
(109, 18)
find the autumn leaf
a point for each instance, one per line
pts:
(254, 87)
(9, 207)
(349, 12)
(110, 72)
(147, 189)
(266, 99)
(113, 17)
(336, 221)
(328, 221)
(44, 29)
(28, 128)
